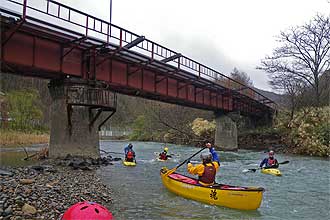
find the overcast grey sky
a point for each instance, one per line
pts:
(222, 34)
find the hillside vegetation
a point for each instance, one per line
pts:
(308, 132)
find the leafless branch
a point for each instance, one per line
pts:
(304, 55)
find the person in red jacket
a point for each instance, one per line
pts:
(129, 153)
(163, 155)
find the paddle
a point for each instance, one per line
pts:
(254, 170)
(110, 152)
(175, 168)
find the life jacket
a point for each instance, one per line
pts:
(130, 155)
(208, 176)
(163, 156)
(271, 162)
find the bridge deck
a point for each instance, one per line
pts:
(52, 40)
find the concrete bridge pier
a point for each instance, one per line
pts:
(75, 120)
(265, 120)
(225, 133)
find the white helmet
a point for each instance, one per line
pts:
(206, 156)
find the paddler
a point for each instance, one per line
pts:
(269, 162)
(207, 170)
(163, 155)
(129, 153)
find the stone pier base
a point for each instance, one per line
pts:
(226, 133)
(74, 119)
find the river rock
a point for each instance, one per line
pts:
(8, 211)
(43, 168)
(37, 167)
(5, 173)
(19, 201)
(49, 194)
(26, 181)
(48, 185)
(29, 209)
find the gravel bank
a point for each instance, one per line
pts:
(46, 191)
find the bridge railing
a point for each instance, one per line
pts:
(92, 26)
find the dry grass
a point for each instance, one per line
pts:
(15, 138)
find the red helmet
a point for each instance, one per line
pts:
(87, 211)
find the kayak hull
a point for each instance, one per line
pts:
(158, 159)
(271, 171)
(243, 198)
(126, 163)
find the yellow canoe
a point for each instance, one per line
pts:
(127, 163)
(236, 197)
(271, 171)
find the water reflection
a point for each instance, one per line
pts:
(15, 159)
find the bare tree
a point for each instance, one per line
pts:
(292, 86)
(241, 77)
(304, 54)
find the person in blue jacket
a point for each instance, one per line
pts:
(269, 162)
(129, 153)
(215, 156)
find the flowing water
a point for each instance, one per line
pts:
(303, 192)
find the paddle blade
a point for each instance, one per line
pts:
(249, 170)
(284, 162)
(167, 171)
(246, 171)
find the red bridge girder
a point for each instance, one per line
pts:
(38, 48)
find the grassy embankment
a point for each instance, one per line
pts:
(17, 139)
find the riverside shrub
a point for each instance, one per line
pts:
(203, 128)
(139, 129)
(309, 131)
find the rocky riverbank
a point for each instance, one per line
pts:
(45, 191)
(260, 141)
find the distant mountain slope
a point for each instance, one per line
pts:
(278, 98)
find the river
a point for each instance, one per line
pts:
(303, 192)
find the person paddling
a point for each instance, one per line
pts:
(163, 155)
(269, 162)
(207, 170)
(129, 153)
